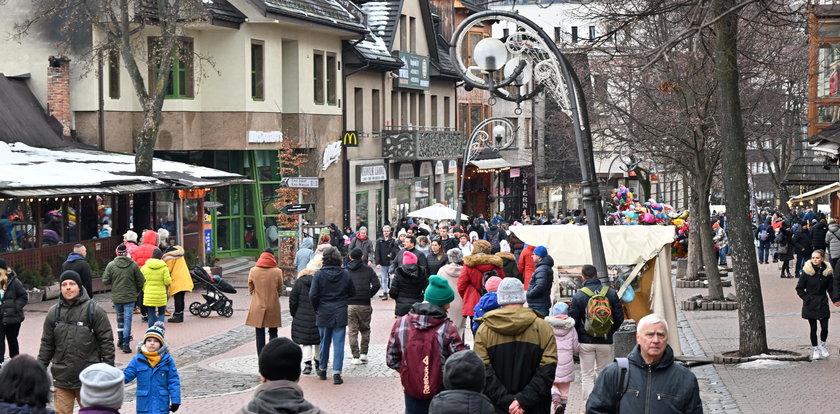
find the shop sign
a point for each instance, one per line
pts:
(208, 234)
(406, 171)
(439, 168)
(421, 188)
(415, 73)
(514, 172)
(426, 169)
(262, 137)
(371, 173)
(453, 167)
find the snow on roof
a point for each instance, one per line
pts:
(29, 167)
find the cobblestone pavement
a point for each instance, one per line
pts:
(218, 366)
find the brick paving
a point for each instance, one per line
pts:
(217, 358)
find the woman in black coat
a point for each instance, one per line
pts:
(436, 258)
(13, 300)
(304, 331)
(801, 246)
(785, 250)
(408, 285)
(813, 287)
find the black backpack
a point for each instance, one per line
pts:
(484, 276)
(495, 239)
(623, 380)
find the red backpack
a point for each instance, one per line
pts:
(421, 369)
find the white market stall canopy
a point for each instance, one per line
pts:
(816, 193)
(436, 211)
(623, 245)
(38, 172)
(491, 164)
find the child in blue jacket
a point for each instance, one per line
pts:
(158, 384)
(487, 302)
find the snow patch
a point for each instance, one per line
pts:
(766, 364)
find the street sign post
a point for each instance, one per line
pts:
(300, 208)
(299, 182)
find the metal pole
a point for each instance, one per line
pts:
(461, 187)
(300, 220)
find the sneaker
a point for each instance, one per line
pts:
(355, 361)
(307, 369)
(823, 351)
(126, 349)
(385, 297)
(337, 379)
(815, 354)
(136, 311)
(322, 375)
(363, 358)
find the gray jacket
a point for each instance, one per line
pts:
(281, 397)
(832, 240)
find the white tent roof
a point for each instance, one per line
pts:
(816, 193)
(436, 211)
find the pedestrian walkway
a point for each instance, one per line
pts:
(217, 360)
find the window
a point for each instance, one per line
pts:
(434, 111)
(446, 116)
(464, 118)
(591, 32)
(318, 76)
(376, 124)
(114, 74)
(421, 108)
(412, 33)
(404, 109)
(395, 108)
(473, 40)
(180, 84)
(403, 33)
(332, 69)
(257, 70)
(359, 109)
(574, 34)
(558, 34)
(412, 97)
(527, 132)
(505, 33)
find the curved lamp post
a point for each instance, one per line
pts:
(504, 134)
(528, 51)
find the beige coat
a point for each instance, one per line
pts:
(265, 285)
(451, 272)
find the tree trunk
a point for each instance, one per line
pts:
(784, 196)
(694, 245)
(753, 334)
(146, 138)
(710, 260)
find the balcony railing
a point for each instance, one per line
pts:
(422, 144)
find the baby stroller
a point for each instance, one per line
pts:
(215, 299)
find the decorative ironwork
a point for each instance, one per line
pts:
(422, 144)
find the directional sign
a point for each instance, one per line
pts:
(299, 182)
(297, 208)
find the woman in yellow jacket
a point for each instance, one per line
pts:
(181, 280)
(154, 290)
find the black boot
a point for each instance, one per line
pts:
(307, 369)
(177, 317)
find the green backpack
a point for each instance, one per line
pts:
(599, 317)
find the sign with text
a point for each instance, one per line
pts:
(415, 73)
(263, 137)
(208, 234)
(297, 208)
(299, 182)
(371, 173)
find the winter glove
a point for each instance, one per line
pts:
(174, 407)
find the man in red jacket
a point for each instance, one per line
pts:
(526, 264)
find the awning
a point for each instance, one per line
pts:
(491, 164)
(78, 191)
(816, 193)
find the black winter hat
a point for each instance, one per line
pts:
(280, 360)
(356, 254)
(3, 264)
(71, 275)
(464, 370)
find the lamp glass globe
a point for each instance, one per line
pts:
(524, 77)
(490, 54)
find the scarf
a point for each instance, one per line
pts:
(152, 357)
(362, 237)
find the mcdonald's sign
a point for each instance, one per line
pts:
(350, 139)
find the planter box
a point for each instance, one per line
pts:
(98, 286)
(51, 291)
(35, 297)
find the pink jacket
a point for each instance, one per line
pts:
(567, 345)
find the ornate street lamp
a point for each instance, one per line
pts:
(529, 52)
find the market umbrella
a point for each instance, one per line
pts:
(436, 211)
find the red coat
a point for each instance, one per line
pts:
(526, 264)
(470, 280)
(144, 252)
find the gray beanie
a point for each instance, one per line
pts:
(102, 386)
(455, 255)
(510, 291)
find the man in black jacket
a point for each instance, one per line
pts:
(384, 251)
(359, 310)
(595, 353)
(655, 383)
(446, 242)
(409, 246)
(76, 262)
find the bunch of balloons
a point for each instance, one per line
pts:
(626, 210)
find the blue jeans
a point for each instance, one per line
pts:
(722, 255)
(156, 313)
(416, 405)
(336, 337)
(800, 261)
(125, 311)
(763, 252)
(384, 278)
